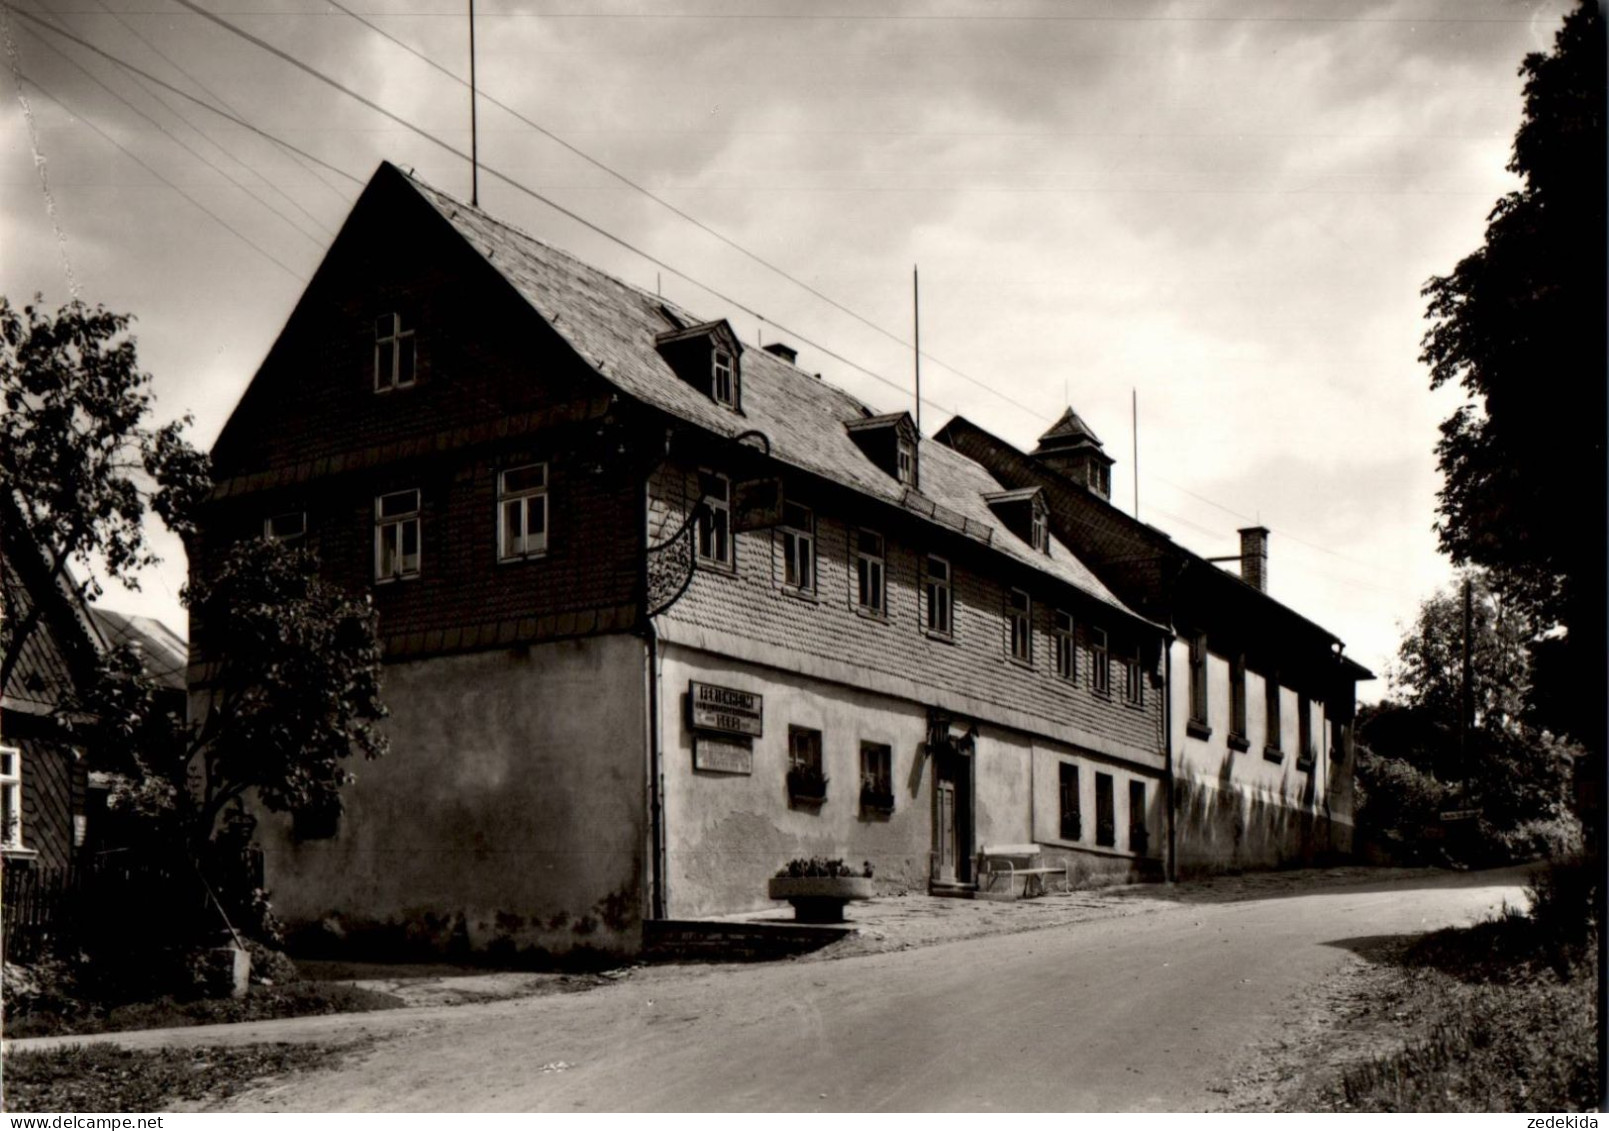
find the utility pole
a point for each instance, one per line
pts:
(474, 130)
(916, 325)
(1466, 697)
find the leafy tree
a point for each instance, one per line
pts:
(77, 455)
(293, 692)
(1519, 324)
(1417, 764)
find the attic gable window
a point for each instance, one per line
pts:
(905, 462)
(395, 357)
(707, 356)
(723, 390)
(1040, 527)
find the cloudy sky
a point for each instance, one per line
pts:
(1226, 209)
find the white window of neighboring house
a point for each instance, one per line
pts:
(798, 547)
(715, 523)
(396, 535)
(1134, 679)
(10, 797)
(394, 356)
(723, 387)
(1019, 611)
(870, 593)
(1066, 656)
(522, 512)
(288, 527)
(905, 462)
(1100, 662)
(940, 607)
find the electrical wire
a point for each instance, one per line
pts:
(231, 118)
(171, 136)
(210, 93)
(236, 232)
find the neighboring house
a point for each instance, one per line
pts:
(44, 778)
(660, 611)
(1261, 699)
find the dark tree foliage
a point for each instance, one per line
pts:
(77, 454)
(293, 693)
(1418, 761)
(1519, 324)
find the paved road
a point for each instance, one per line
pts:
(1147, 1012)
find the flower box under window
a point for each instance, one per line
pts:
(805, 783)
(876, 799)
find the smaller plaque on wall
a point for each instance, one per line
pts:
(723, 754)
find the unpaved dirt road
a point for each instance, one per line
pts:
(1150, 1012)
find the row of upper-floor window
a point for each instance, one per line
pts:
(797, 546)
(521, 523)
(1200, 717)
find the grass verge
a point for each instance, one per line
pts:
(106, 1078)
(295, 999)
(1493, 1019)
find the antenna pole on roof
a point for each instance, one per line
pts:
(916, 321)
(1134, 403)
(474, 131)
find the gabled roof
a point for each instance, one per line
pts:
(1020, 495)
(1117, 541)
(1069, 431)
(885, 420)
(613, 327)
(163, 652)
(59, 654)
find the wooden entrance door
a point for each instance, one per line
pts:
(952, 838)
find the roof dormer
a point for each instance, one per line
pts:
(1072, 448)
(707, 357)
(889, 441)
(1025, 514)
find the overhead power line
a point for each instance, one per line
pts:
(226, 225)
(126, 65)
(216, 97)
(679, 212)
(171, 136)
(534, 195)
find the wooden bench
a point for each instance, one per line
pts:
(1013, 860)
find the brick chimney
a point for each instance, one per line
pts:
(1254, 557)
(785, 352)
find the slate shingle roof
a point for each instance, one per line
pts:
(163, 652)
(613, 327)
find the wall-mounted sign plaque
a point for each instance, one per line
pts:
(723, 754)
(725, 709)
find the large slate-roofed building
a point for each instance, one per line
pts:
(662, 610)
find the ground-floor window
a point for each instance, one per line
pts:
(876, 777)
(1105, 812)
(1137, 835)
(806, 781)
(1072, 819)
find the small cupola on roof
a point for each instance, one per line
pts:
(1025, 514)
(1072, 448)
(708, 357)
(889, 441)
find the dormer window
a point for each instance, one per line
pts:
(890, 442)
(709, 358)
(1025, 514)
(395, 358)
(723, 390)
(1040, 527)
(905, 462)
